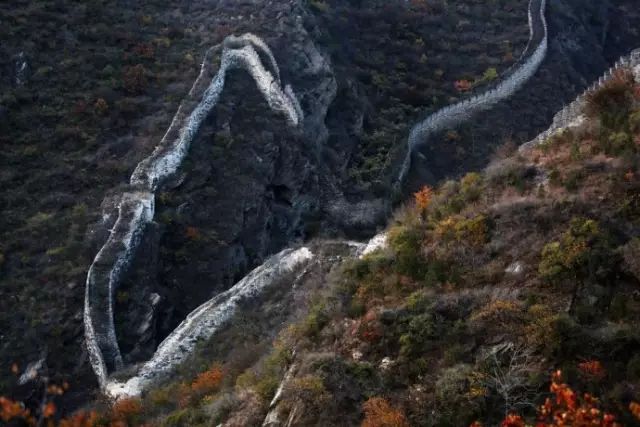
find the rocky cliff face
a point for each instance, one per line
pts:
(288, 186)
(251, 186)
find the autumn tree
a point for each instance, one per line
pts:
(567, 409)
(126, 410)
(208, 381)
(11, 410)
(379, 413)
(423, 200)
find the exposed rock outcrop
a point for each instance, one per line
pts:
(136, 207)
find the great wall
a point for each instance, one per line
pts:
(453, 115)
(572, 112)
(135, 208)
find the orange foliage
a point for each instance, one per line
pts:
(513, 420)
(55, 390)
(125, 409)
(15, 413)
(10, 409)
(568, 410)
(634, 407)
(205, 383)
(379, 413)
(462, 85)
(592, 368)
(49, 410)
(208, 381)
(80, 419)
(423, 199)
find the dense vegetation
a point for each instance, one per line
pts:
(100, 82)
(489, 283)
(432, 54)
(487, 286)
(100, 85)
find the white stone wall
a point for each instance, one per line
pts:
(205, 320)
(573, 112)
(453, 115)
(136, 208)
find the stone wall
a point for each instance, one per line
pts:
(513, 79)
(572, 112)
(135, 208)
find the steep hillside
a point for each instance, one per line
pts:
(91, 93)
(110, 236)
(479, 290)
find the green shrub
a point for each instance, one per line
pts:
(418, 302)
(508, 172)
(575, 152)
(406, 243)
(490, 74)
(574, 255)
(442, 271)
(471, 186)
(634, 121)
(572, 180)
(417, 332)
(266, 387)
(618, 142)
(161, 397)
(473, 231)
(315, 321)
(186, 417)
(309, 389)
(448, 200)
(356, 308)
(457, 403)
